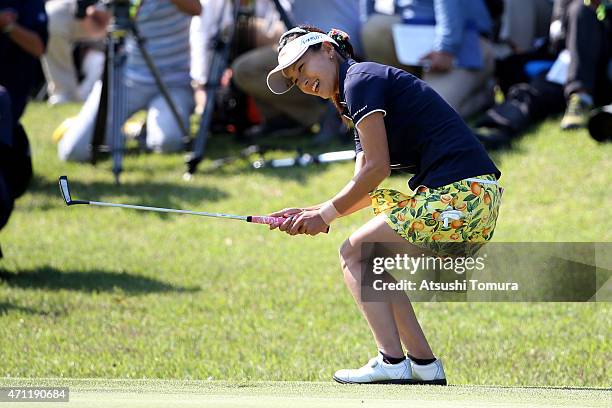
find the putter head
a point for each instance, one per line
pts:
(65, 190)
(63, 185)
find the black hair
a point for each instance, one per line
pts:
(343, 47)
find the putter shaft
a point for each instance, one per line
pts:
(169, 210)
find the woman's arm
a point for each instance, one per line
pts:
(191, 7)
(354, 196)
(365, 201)
(371, 172)
(359, 163)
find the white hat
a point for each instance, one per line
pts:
(289, 54)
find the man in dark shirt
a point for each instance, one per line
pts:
(23, 37)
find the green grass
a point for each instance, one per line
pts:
(107, 293)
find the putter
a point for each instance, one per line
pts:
(256, 219)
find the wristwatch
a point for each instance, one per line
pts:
(8, 28)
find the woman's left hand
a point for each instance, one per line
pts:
(308, 222)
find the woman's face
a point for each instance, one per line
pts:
(316, 72)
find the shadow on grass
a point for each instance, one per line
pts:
(47, 277)
(150, 193)
(6, 308)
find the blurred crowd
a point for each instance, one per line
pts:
(502, 64)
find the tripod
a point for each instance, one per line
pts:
(220, 44)
(113, 97)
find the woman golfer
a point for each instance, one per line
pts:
(400, 121)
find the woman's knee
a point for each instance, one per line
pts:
(350, 260)
(346, 252)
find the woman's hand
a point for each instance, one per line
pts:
(308, 222)
(289, 213)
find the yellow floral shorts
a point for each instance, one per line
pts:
(439, 219)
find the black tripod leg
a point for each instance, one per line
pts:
(116, 107)
(100, 124)
(195, 157)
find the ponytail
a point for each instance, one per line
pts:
(345, 49)
(344, 46)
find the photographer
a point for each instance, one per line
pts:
(589, 41)
(71, 21)
(164, 25)
(23, 37)
(251, 68)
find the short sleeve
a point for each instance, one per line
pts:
(365, 94)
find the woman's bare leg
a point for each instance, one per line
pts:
(388, 321)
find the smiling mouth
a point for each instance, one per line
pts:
(315, 86)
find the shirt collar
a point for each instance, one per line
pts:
(344, 67)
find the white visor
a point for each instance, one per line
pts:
(288, 55)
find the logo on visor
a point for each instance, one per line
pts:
(310, 39)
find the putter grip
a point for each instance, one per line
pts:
(256, 219)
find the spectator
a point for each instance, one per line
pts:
(266, 28)
(71, 21)
(23, 37)
(543, 95)
(465, 89)
(164, 25)
(524, 21)
(378, 17)
(529, 94)
(251, 68)
(589, 41)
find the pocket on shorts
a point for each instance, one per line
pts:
(482, 206)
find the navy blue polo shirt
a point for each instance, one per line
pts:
(425, 135)
(17, 67)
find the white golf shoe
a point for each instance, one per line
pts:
(377, 372)
(432, 373)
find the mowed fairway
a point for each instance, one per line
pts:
(91, 393)
(105, 293)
